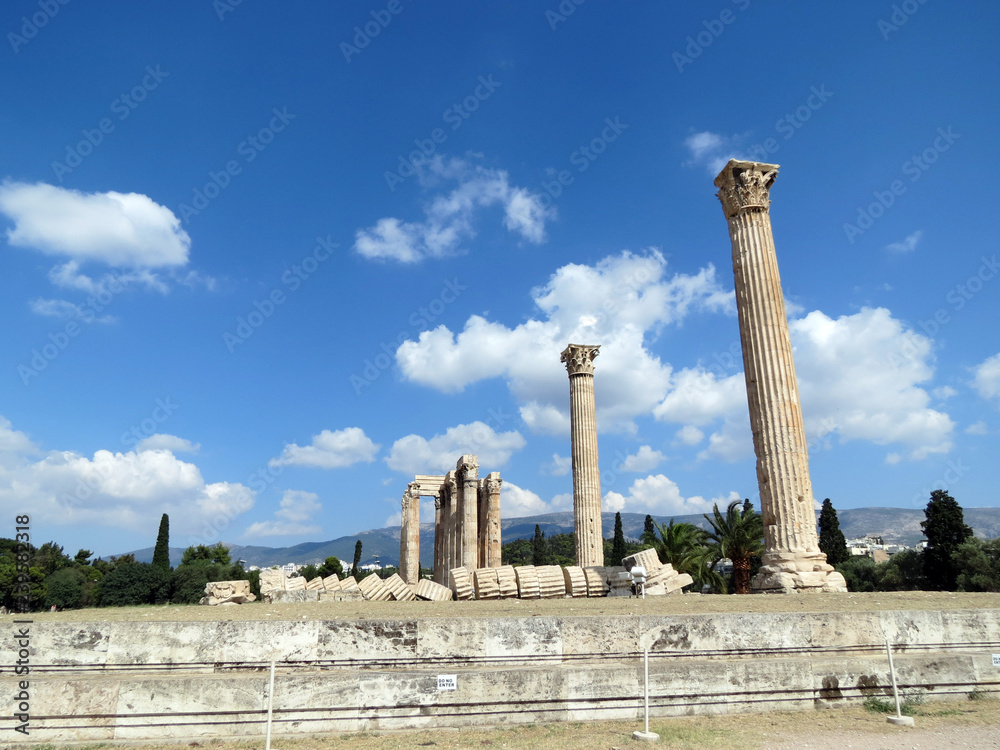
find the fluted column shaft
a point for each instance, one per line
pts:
(772, 390)
(586, 474)
(792, 559)
(489, 521)
(409, 536)
(438, 539)
(467, 473)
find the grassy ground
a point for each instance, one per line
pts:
(661, 605)
(939, 725)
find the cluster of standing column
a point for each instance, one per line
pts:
(466, 521)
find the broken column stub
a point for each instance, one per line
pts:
(792, 560)
(579, 361)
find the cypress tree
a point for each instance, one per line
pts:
(357, 558)
(945, 530)
(539, 548)
(161, 552)
(649, 531)
(831, 538)
(618, 543)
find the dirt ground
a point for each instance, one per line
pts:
(939, 726)
(686, 604)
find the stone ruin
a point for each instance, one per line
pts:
(227, 592)
(466, 521)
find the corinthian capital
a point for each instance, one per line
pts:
(579, 358)
(745, 185)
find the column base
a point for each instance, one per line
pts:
(794, 572)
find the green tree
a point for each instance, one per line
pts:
(217, 553)
(357, 558)
(618, 543)
(831, 539)
(561, 549)
(516, 552)
(648, 531)
(308, 572)
(331, 566)
(83, 557)
(738, 535)
(904, 571)
(860, 573)
(132, 583)
(539, 548)
(979, 563)
(64, 588)
(161, 552)
(945, 530)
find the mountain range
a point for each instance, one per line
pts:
(894, 525)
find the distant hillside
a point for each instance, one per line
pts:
(894, 525)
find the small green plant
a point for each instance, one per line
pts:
(977, 695)
(879, 706)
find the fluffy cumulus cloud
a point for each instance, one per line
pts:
(659, 495)
(118, 229)
(120, 490)
(142, 240)
(296, 510)
(644, 459)
(860, 378)
(987, 378)
(449, 218)
(414, 454)
(330, 450)
(560, 466)
(619, 302)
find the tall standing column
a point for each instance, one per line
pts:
(409, 536)
(579, 360)
(467, 472)
(450, 525)
(489, 521)
(792, 559)
(438, 538)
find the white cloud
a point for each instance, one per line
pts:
(614, 303)
(449, 218)
(414, 454)
(645, 459)
(292, 518)
(712, 150)
(658, 494)
(516, 502)
(330, 450)
(977, 428)
(689, 435)
(66, 310)
(905, 246)
(944, 392)
(172, 443)
(127, 491)
(987, 378)
(859, 377)
(119, 229)
(560, 466)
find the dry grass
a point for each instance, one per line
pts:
(969, 723)
(662, 605)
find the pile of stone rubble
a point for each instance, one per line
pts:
(505, 582)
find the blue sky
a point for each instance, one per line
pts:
(262, 263)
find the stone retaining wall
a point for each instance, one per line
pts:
(130, 680)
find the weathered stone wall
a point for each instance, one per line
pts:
(128, 680)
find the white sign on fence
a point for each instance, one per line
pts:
(450, 681)
(996, 660)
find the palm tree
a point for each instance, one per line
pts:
(685, 547)
(739, 536)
